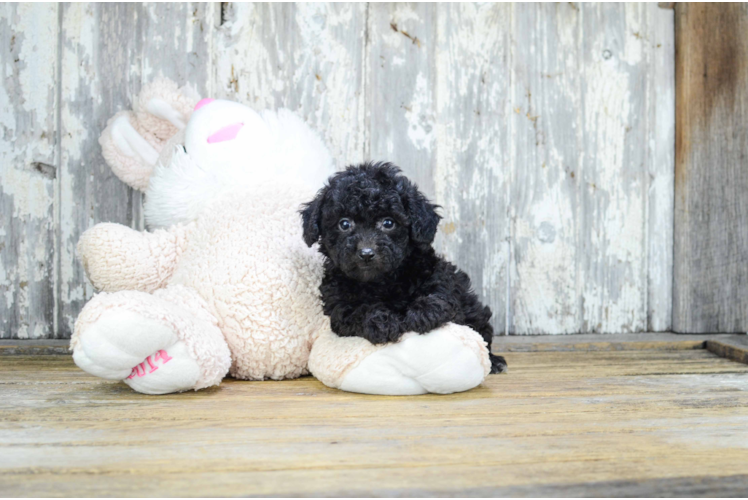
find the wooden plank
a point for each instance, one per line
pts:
(660, 106)
(734, 348)
(100, 62)
(28, 168)
(178, 42)
(598, 345)
(694, 486)
(474, 144)
(613, 176)
(41, 347)
(582, 423)
(613, 342)
(305, 57)
(109, 52)
(711, 209)
(547, 187)
(586, 205)
(725, 345)
(401, 90)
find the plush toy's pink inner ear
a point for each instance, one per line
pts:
(203, 102)
(227, 133)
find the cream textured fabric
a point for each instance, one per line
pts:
(116, 257)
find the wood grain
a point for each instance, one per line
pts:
(571, 420)
(549, 124)
(400, 88)
(110, 50)
(734, 348)
(547, 186)
(304, 57)
(540, 114)
(660, 118)
(474, 144)
(711, 208)
(614, 172)
(28, 168)
(558, 165)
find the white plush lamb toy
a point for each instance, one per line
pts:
(223, 283)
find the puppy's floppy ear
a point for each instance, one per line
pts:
(311, 218)
(422, 214)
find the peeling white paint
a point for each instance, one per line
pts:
(318, 76)
(521, 119)
(420, 121)
(28, 54)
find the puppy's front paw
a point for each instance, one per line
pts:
(428, 313)
(498, 364)
(382, 326)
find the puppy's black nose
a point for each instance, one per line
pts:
(366, 254)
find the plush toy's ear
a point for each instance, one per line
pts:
(311, 218)
(422, 214)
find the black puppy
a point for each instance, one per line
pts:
(382, 277)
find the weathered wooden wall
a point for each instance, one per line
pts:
(548, 124)
(711, 205)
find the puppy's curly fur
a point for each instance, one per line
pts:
(382, 277)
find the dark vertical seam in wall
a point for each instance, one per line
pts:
(650, 157)
(143, 23)
(57, 292)
(509, 303)
(578, 196)
(434, 70)
(673, 304)
(672, 237)
(365, 70)
(222, 7)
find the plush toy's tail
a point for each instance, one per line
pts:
(185, 153)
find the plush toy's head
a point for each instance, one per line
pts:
(184, 152)
(368, 219)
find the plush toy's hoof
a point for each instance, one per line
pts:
(150, 344)
(450, 359)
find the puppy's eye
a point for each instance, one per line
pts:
(388, 224)
(345, 225)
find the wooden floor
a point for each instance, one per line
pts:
(670, 421)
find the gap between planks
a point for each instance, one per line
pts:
(730, 346)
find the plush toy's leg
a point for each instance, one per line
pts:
(450, 359)
(157, 344)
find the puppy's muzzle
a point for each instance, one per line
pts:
(366, 254)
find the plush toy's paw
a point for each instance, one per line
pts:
(133, 140)
(130, 151)
(162, 109)
(452, 358)
(154, 346)
(146, 354)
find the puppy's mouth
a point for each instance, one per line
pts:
(365, 271)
